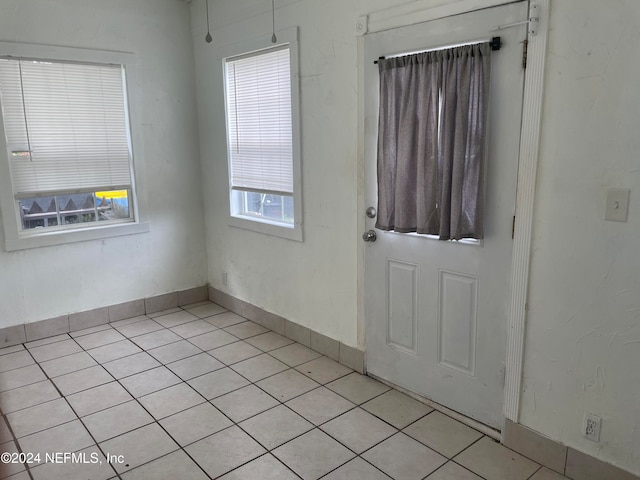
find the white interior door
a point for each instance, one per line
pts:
(435, 311)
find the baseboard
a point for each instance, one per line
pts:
(564, 460)
(346, 355)
(72, 322)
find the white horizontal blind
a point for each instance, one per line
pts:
(259, 122)
(66, 127)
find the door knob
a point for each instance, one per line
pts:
(369, 236)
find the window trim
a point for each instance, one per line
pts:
(264, 226)
(17, 239)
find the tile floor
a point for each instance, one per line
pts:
(201, 393)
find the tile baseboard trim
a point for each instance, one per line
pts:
(27, 332)
(348, 356)
(557, 457)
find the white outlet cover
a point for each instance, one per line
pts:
(617, 204)
(591, 426)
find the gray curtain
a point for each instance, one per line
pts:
(432, 123)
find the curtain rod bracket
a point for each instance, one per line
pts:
(495, 43)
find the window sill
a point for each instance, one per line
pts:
(268, 228)
(61, 237)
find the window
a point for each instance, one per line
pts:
(261, 102)
(68, 164)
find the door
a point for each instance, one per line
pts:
(436, 311)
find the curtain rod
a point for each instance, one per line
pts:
(495, 43)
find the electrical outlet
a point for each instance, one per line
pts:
(591, 426)
(224, 278)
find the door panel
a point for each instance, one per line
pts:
(436, 312)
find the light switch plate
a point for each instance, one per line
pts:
(617, 204)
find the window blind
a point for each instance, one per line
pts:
(66, 127)
(259, 122)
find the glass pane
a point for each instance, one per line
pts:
(113, 205)
(276, 208)
(79, 208)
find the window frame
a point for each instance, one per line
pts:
(15, 238)
(287, 37)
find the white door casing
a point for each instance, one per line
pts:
(437, 312)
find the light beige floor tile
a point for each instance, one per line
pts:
(207, 310)
(442, 434)
(276, 426)
(266, 467)
(195, 423)
(295, 354)
(47, 340)
(224, 451)
(320, 405)
(244, 403)
(24, 475)
(38, 418)
(13, 349)
(116, 420)
(93, 466)
(15, 360)
(114, 351)
(220, 382)
(211, 340)
(171, 400)
(10, 468)
(68, 437)
(55, 350)
(287, 385)
(195, 366)
(5, 433)
(21, 377)
(246, 329)
(235, 352)
(129, 321)
(357, 388)
(82, 380)
(68, 364)
(193, 329)
(150, 381)
(546, 474)
(492, 461)
(90, 330)
(141, 327)
(225, 319)
(27, 396)
(269, 341)
(139, 446)
(174, 351)
(174, 319)
(155, 339)
(402, 457)
(453, 471)
(98, 398)
(98, 339)
(358, 430)
(324, 370)
(396, 408)
(357, 469)
(313, 454)
(259, 367)
(176, 465)
(127, 366)
(162, 313)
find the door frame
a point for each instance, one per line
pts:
(425, 10)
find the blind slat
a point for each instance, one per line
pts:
(72, 120)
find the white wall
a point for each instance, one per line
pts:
(313, 283)
(583, 326)
(46, 282)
